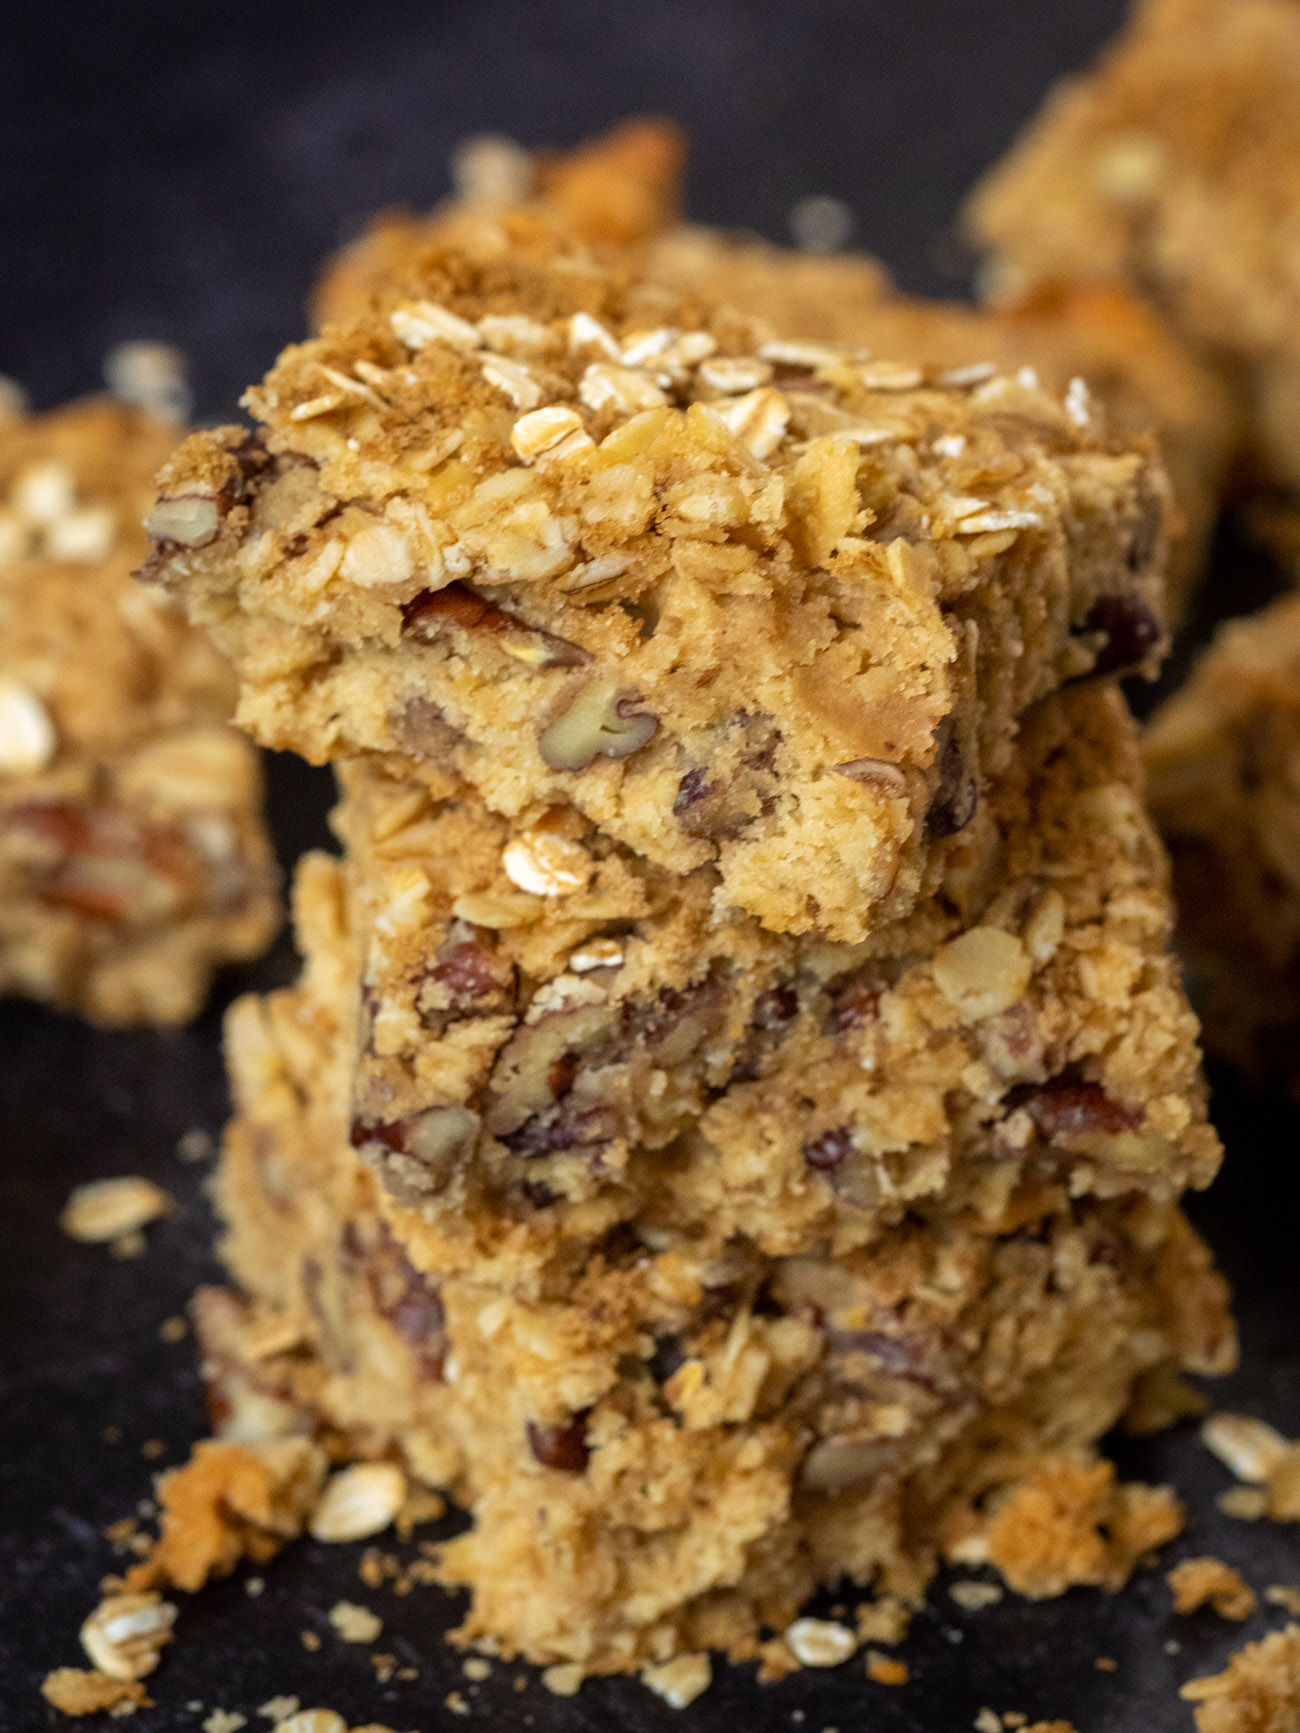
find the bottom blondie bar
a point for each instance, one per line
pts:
(671, 1445)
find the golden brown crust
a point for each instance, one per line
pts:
(1143, 375)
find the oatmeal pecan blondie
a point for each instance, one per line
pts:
(775, 609)
(1103, 332)
(1223, 760)
(132, 857)
(668, 1445)
(555, 1035)
(1174, 164)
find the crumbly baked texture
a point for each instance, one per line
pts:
(669, 1444)
(1258, 1691)
(1174, 164)
(1223, 760)
(579, 541)
(1198, 1582)
(555, 1036)
(1142, 375)
(132, 857)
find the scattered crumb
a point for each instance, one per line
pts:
(988, 1721)
(1069, 1523)
(564, 1680)
(279, 1708)
(883, 1621)
(75, 1692)
(972, 1596)
(1284, 1595)
(194, 1707)
(1258, 1453)
(407, 1674)
(173, 1329)
(1173, 1647)
(456, 1703)
(225, 1721)
(1106, 1664)
(419, 1506)
(1259, 1689)
(195, 1144)
(106, 1210)
(254, 1586)
(1200, 1580)
(112, 1435)
(520, 1682)
(476, 1668)
(1246, 1503)
(681, 1680)
(132, 1245)
(385, 1666)
(820, 1642)
(152, 1449)
(310, 1641)
(355, 1624)
(885, 1669)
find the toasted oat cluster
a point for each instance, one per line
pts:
(775, 608)
(1174, 164)
(555, 1036)
(132, 858)
(1140, 373)
(668, 1442)
(1223, 760)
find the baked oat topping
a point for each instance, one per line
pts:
(549, 588)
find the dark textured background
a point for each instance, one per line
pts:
(177, 171)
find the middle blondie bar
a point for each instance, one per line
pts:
(532, 1068)
(774, 608)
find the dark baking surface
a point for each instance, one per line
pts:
(177, 171)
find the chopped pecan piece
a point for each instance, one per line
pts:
(601, 722)
(955, 797)
(562, 1446)
(432, 611)
(773, 1012)
(825, 1153)
(468, 978)
(103, 863)
(1069, 1107)
(1127, 628)
(417, 1157)
(718, 801)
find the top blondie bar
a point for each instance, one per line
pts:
(775, 606)
(620, 193)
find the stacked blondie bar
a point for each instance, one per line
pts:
(729, 1128)
(132, 856)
